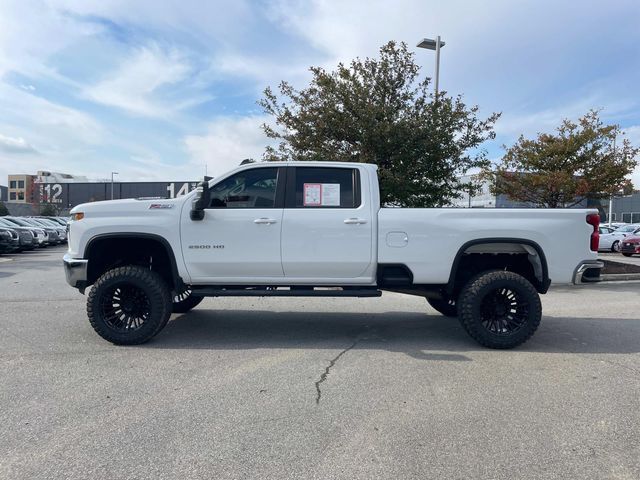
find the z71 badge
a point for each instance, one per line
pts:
(160, 205)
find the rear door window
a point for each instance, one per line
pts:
(324, 187)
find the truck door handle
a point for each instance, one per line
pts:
(355, 221)
(266, 221)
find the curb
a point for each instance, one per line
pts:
(615, 277)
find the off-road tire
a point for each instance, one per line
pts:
(183, 305)
(448, 308)
(484, 314)
(148, 286)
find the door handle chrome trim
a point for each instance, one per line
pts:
(355, 221)
(265, 221)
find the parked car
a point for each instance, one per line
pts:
(614, 225)
(46, 223)
(52, 232)
(59, 220)
(629, 229)
(41, 235)
(293, 229)
(610, 240)
(630, 245)
(27, 240)
(9, 240)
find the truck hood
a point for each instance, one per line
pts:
(129, 205)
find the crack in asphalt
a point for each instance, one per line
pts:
(332, 363)
(362, 336)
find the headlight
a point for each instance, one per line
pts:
(77, 216)
(5, 234)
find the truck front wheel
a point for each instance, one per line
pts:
(129, 305)
(499, 309)
(185, 301)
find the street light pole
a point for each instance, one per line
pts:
(437, 63)
(615, 134)
(436, 45)
(112, 174)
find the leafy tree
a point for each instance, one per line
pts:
(49, 210)
(3, 209)
(377, 111)
(561, 169)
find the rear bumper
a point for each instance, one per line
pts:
(75, 270)
(587, 271)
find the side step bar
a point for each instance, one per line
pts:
(285, 292)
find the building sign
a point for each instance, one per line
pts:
(68, 195)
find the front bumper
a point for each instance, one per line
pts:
(75, 269)
(630, 247)
(587, 272)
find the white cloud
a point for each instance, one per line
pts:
(15, 145)
(31, 31)
(228, 141)
(134, 85)
(46, 119)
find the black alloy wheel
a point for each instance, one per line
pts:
(445, 306)
(185, 301)
(499, 309)
(503, 311)
(125, 307)
(129, 305)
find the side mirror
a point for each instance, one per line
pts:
(202, 200)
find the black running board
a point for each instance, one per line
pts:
(284, 292)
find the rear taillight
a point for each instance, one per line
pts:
(594, 220)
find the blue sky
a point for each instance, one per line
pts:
(158, 90)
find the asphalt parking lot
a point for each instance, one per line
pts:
(315, 388)
(618, 257)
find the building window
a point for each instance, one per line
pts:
(20, 195)
(635, 217)
(12, 195)
(626, 217)
(20, 183)
(12, 184)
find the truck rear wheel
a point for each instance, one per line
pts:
(448, 308)
(499, 309)
(185, 301)
(129, 305)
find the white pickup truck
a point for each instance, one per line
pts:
(317, 229)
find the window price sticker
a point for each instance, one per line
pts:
(312, 195)
(321, 195)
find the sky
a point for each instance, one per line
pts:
(168, 90)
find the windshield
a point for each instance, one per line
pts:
(45, 223)
(19, 221)
(7, 223)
